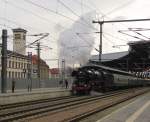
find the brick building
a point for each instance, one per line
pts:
(54, 73)
(44, 68)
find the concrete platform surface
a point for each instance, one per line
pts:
(136, 111)
(41, 93)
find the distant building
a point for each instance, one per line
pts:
(18, 63)
(136, 59)
(54, 73)
(44, 68)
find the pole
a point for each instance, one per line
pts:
(4, 62)
(100, 45)
(38, 62)
(63, 70)
(127, 65)
(58, 70)
(29, 71)
(101, 38)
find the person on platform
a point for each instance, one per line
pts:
(13, 85)
(60, 82)
(66, 83)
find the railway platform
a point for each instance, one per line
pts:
(136, 111)
(24, 95)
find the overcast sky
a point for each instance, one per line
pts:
(57, 16)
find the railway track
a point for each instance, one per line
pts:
(13, 105)
(60, 106)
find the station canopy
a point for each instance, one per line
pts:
(136, 59)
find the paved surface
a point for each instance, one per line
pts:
(36, 94)
(136, 111)
(23, 91)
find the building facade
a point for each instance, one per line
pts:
(44, 68)
(19, 65)
(54, 73)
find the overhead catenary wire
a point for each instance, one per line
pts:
(108, 39)
(72, 11)
(32, 13)
(102, 14)
(139, 33)
(49, 10)
(121, 6)
(140, 29)
(18, 24)
(114, 36)
(114, 45)
(114, 10)
(10, 27)
(32, 2)
(57, 13)
(15, 23)
(130, 35)
(86, 42)
(45, 35)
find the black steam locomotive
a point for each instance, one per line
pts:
(101, 78)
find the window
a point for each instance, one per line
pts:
(9, 64)
(22, 74)
(9, 74)
(17, 36)
(24, 37)
(15, 74)
(16, 65)
(25, 65)
(12, 64)
(18, 74)
(12, 74)
(22, 65)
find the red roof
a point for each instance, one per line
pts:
(35, 61)
(54, 71)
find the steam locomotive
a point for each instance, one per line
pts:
(101, 78)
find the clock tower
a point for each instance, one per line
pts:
(19, 41)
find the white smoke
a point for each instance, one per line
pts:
(76, 43)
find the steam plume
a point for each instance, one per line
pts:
(76, 43)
